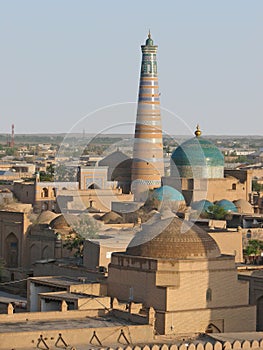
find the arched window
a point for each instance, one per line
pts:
(93, 186)
(44, 192)
(149, 68)
(54, 192)
(46, 253)
(234, 187)
(209, 294)
(34, 252)
(11, 250)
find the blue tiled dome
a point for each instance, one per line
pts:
(227, 205)
(167, 193)
(197, 152)
(202, 205)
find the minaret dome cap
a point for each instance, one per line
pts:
(149, 40)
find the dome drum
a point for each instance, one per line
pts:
(197, 172)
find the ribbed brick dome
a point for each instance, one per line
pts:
(243, 206)
(59, 223)
(173, 239)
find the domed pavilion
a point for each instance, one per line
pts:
(177, 269)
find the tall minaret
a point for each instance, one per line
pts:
(13, 136)
(148, 165)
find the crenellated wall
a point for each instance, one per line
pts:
(235, 345)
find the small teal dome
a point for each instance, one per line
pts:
(149, 40)
(227, 205)
(202, 205)
(167, 193)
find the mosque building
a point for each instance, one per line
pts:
(197, 170)
(197, 165)
(178, 269)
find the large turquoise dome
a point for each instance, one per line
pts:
(197, 158)
(198, 151)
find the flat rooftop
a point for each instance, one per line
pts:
(258, 273)
(120, 240)
(74, 323)
(7, 298)
(60, 281)
(68, 296)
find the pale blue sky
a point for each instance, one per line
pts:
(61, 60)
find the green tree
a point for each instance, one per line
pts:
(64, 173)
(84, 227)
(242, 159)
(256, 186)
(48, 175)
(253, 249)
(215, 212)
(10, 151)
(74, 242)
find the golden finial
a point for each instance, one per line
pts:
(198, 132)
(149, 34)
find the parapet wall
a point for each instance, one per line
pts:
(51, 315)
(72, 338)
(236, 345)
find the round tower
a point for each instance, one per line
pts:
(148, 165)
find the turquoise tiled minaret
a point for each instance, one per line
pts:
(148, 165)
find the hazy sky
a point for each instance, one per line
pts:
(61, 60)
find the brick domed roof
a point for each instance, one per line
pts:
(243, 206)
(173, 238)
(45, 217)
(112, 218)
(59, 223)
